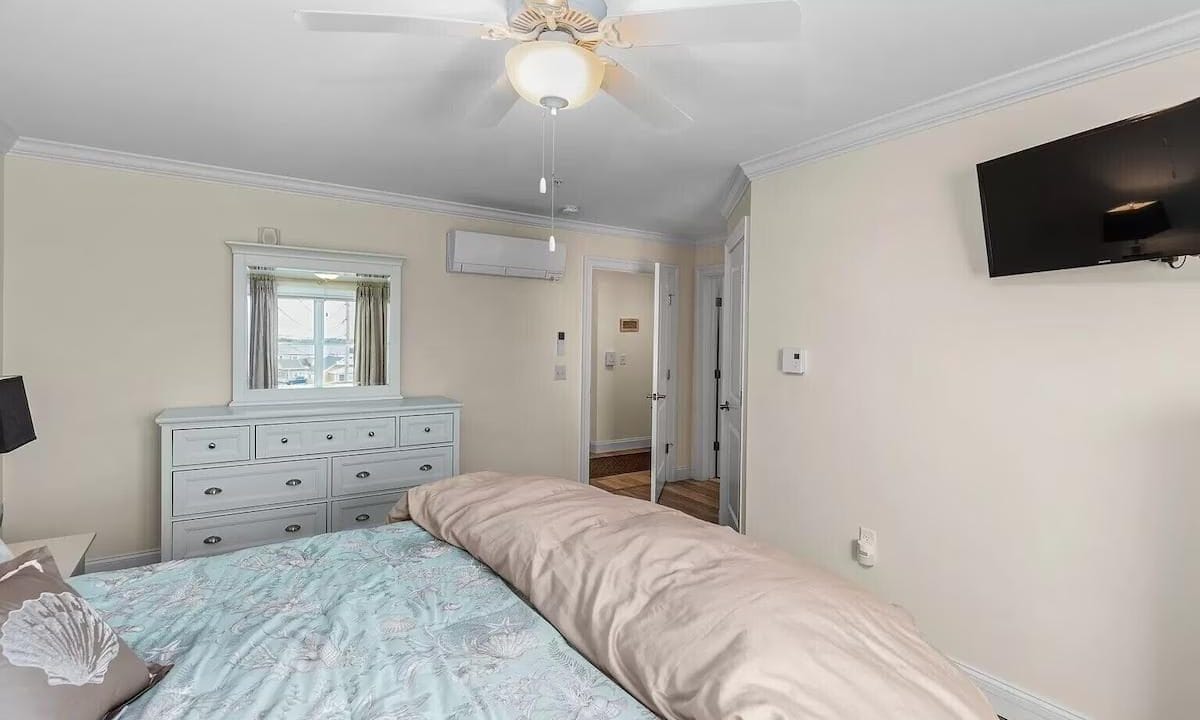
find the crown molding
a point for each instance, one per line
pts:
(8, 138)
(738, 185)
(1154, 42)
(115, 159)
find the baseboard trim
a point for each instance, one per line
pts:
(606, 446)
(121, 562)
(1013, 703)
(683, 473)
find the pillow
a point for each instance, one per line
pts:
(58, 658)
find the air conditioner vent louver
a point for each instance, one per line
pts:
(485, 254)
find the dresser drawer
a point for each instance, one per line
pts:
(361, 512)
(212, 536)
(314, 438)
(246, 486)
(390, 471)
(210, 445)
(426, 429)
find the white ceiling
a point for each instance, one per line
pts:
(236, 83)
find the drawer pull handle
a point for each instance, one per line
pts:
(329, 436)
(213, 491)
(293, 482)
(292, 529)
(371, 434)
(363, 474)
(212, 446)
(283, 440)
(426, 467)
(212, 539)
(362, 518)
(428, 429)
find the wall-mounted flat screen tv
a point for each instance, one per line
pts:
(1127, 191)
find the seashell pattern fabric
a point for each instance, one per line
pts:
(58, 657)
(375, 624)
(62, 636)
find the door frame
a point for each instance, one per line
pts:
(590, 266)
(740, 233)
(705, 428)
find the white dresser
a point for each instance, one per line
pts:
(236, 477)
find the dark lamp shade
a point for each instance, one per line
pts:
(16, 426)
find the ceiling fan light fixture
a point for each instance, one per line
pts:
(554, 74)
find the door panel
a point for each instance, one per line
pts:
(663, 395)
(733, 345)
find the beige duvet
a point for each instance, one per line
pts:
(695, 620)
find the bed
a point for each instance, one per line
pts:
(379, 624)
(528, 598)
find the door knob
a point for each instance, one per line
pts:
(724, 406)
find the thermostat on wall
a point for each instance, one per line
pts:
(793, 361)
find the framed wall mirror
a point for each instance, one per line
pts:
(314, 325)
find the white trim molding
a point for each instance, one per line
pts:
(121, 562)
(734, 194)
(117, 160)
(1013, 703)
(607, 446)
(1146, 45)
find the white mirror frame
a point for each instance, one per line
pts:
(247, 255)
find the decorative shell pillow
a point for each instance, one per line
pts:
(58, 658)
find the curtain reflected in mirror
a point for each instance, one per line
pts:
(313, 330)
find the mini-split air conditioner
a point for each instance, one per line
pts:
(486, 254)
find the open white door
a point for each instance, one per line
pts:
(663, 395)
(733, 374)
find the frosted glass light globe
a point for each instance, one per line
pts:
(549, 72)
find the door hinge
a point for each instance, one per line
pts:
(717, 374)
(668, 374)
(719, 302)
(670, 299)
(716, 445)
(668, 452)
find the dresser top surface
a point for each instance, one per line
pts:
(251, 413)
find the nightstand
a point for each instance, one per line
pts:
(68, 551)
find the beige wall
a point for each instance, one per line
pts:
(1025, 447)
(117, 304)
(620, 410)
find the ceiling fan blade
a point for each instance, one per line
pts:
(742, 22)
(495, 105)
(329, 21)
(643, 100)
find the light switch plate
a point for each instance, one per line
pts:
(793, 361)
(560, 372)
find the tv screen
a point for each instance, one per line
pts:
(1126, 191)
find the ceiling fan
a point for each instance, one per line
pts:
(554, 63)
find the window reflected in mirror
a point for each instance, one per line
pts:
(313, 330)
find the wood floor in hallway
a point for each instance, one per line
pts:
(698, 498)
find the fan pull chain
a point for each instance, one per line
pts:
(553, 172)
(542, 184)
